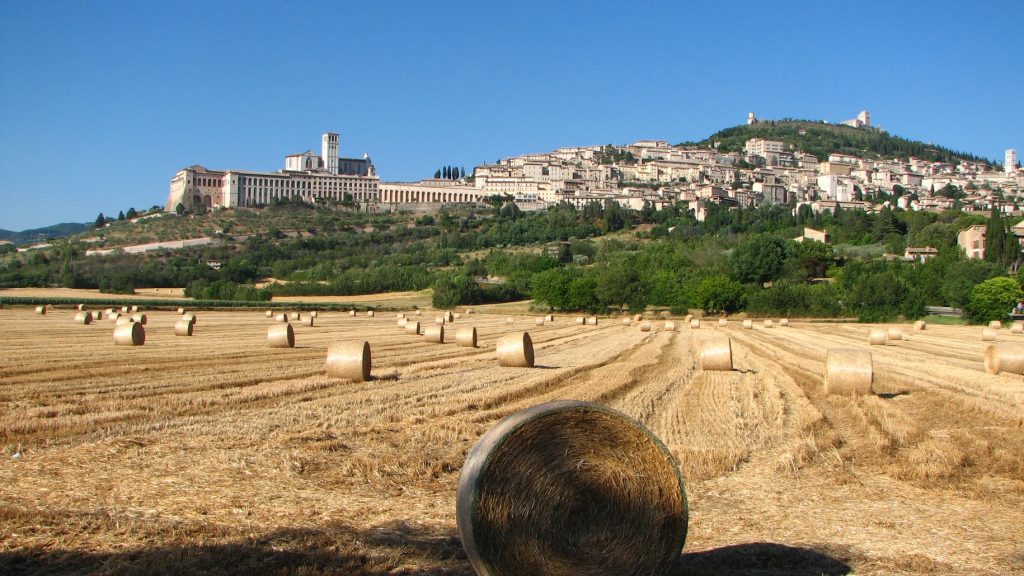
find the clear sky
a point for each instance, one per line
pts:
(102, 102)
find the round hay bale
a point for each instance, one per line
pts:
(769, 324)
(402, 322)
(539, 321)
(439, 320)
(592, 321)
(109, 311)
(281, 318)
(349, 360)
(125, 309)
(688, 317)
(695, 323)
(369, 313)
(877, 337)
(281, 336)
(400, 315)
(515, 350)
(190, 317)
(895, 333)
(645, 326)
(270, 314)
(716, 354)
(129, 334)
(748, 324)
(1004, 358)
(351, 312)
(637, 317)
(80, 307)
(434, 334)
(1017, 328)
(419, 312)
(784, 322)
(988, 334)
(181, 311)
(571, 487)
(549, 318)
(510, 320)
(183, 328)
(136, 309)
(995, 324)
(670, 326)
(920, 325)
(140, 318)
(123, 319)
(295, 316)
(412, 327)
(722, 322)
(97, 315)
(469, 310)
(41, 310)
(314, 314)
(448, 316)
(113, 316)
(308, 321)
(848, 371)
(627, 321)
(83, 318)
(456, 316)
(581, 320)
(466, 337)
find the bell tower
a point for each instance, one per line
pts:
(329, 151)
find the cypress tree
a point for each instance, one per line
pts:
(994, 236)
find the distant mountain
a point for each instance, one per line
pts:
(42, 234)
(821, 139)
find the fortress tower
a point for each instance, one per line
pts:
(329, 152)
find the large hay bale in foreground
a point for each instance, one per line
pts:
(748, 324)
(670, 326)
(281, 336)
(465, 337)
(848, 371)
(716, 354)
(412, 327)
(349, 360)
(41, 310)
(83, 318)
(645, 326)
(877, 336)
(183, 328)
(920, 325)
(434, 334)
(140, 318)
(129, 334)
(1004, 358)
(571, 488)
(995, 324)
(988, 334)
(515, 350)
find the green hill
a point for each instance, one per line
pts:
(821, 139)
(41, 234)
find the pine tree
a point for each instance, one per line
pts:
(462, 172)
(437, 174)
(120, 215)
(1011, 247)
(100, 221)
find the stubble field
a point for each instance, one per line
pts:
(216, 454)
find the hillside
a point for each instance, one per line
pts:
(821, 139)
(40, 234)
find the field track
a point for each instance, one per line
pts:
(217, 454)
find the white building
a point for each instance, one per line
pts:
(863, 120)
(306, 176)
(836, 187)
(1010, 162)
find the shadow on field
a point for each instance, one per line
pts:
(760, 559)
(390, 549)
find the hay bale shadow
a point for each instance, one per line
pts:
(760, 559)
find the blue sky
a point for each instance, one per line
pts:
(102, 102)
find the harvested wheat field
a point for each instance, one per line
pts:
(217, 454)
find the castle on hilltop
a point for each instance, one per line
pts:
(311, 177)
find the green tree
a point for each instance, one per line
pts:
(758, 259)
(437, 174)
(179, 209)
(100, 221)
(994, 299)
(994, 236)
(120, 215)
(450, 290)
(719, 293)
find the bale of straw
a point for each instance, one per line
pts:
(1017, 328)
(296, 316)
(645, 326)
(129, 334)
(136, 309)
(895, 333)
(637, 317)
(270, 314)
(113, 316)
(308, 321)
(125, 309)
(97, 315)
(351, 312)
(434, 334)
(848, 371)
(627, 321)
(314, 314)
(877, 336)
(400, 315)
(995, 324)
(370, 313)
(109, 311)
(183, 328)
(349, 360)
(419, 312)
(784, 322)
(465, 337)
(41, 310)
(581, 320)
(281, 336)
(988, 334)
(83, 318)
(80, 307)
(688, 317)
(571, 487)
(695, 323)
(123, 319)
(549, 318)
(670, 326)
(140, 318)
(456, 316)
(1004, 358)
(515, 350)
(539, 321)
(412, 327)
(722, 322)
(469, 310)
(281, 317)
(716, 354)
(439, 320)
(510, 320)
(448, 316)
(592, 321)
(181, 311)
(191, 317)
(402, 322)
(769, 324)
(748, 324)
(920, 325)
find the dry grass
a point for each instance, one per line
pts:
(215, 454)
